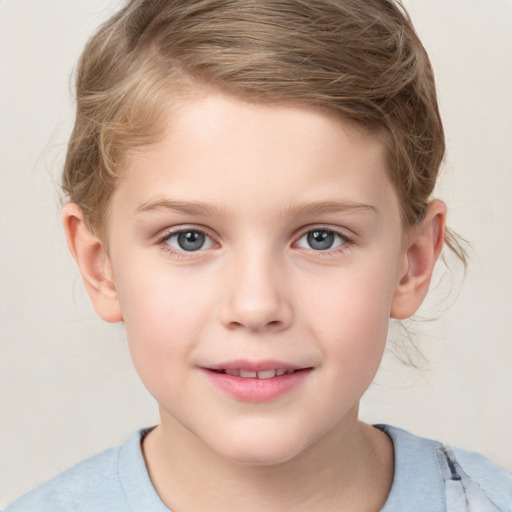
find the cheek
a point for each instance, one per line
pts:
(163, 317)
(350, 315)
(353, 346)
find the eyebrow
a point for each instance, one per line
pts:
(200, 208)
(320, 207)
(186, 207)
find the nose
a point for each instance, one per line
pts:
(255, 295)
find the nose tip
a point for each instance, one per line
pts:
(256, 301)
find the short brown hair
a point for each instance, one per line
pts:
(359, 60)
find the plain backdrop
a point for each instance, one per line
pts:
(67, 386)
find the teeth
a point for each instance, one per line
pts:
(247, 374)
(265, 374)
(268, 374)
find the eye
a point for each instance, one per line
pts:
(188, 240)
(321, 240)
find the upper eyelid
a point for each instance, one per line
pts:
(167, 235)
(344, 233)
(169, 232)
(179, 252)
(348, 241)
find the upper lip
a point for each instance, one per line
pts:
(254, 366)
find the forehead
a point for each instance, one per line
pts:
(231, 153)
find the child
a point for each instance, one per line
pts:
(249, 190)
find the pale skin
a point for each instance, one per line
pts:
(252, 183)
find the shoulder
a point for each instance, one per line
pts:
(450, 475)
(88, 481)
(495, 482)
(97, 484)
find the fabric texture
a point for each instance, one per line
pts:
(429, 477)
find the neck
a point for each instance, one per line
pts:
(350, 468)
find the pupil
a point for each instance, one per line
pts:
(320, 240)
(191, 240)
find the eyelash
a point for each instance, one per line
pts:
(176, 232)
(346, 242)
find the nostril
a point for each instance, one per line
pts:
(269, 325)
(261, 315)
(236, 325)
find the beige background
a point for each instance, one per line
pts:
(67, 388)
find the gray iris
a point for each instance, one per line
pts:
(320, 240)
(191, 240)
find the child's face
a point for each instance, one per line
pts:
(256, 238)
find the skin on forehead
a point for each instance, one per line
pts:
(208, 140)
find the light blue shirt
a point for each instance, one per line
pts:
(429, 477)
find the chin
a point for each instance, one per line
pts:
(259, 458)
(260, 451)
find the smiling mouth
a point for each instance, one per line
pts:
(261, 374)
(257, 382)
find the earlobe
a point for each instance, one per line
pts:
(93, 263)
(424, 245)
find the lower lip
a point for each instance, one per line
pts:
(257, 390)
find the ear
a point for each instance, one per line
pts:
(424, 244)
(93, 263)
